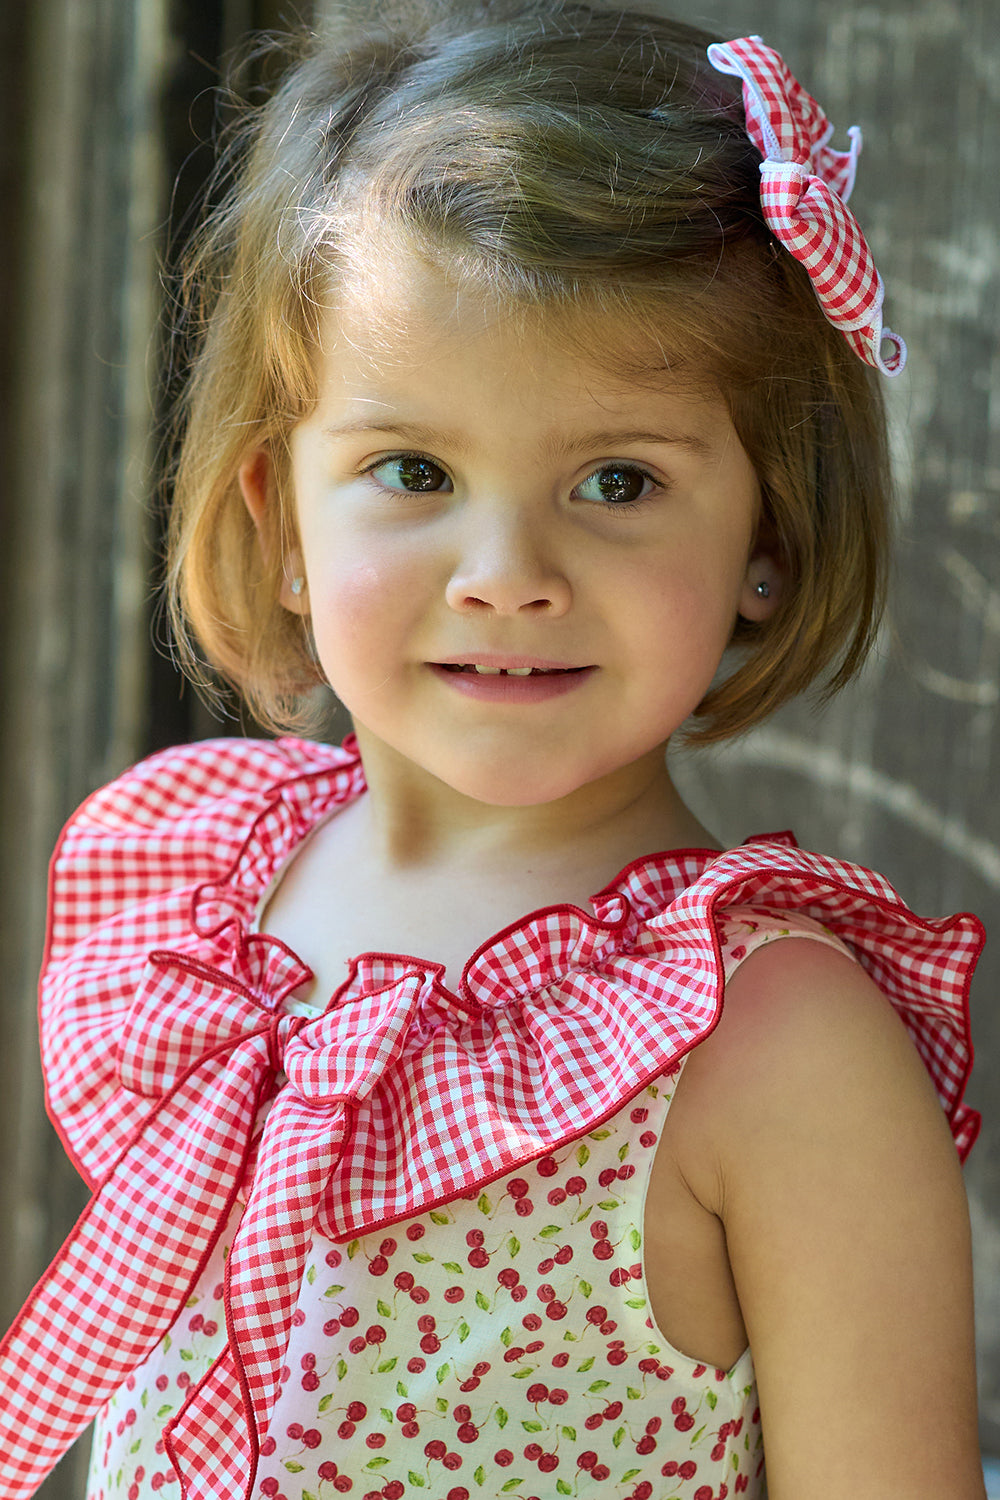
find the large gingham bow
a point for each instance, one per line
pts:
(216, 1054)
(804, 189)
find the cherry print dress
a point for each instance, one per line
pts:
(392, 1246)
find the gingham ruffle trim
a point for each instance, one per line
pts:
(164, 1038)
(805, 185)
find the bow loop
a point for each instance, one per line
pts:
(165, 1035)
(805, 185)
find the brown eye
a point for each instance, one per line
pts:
(414, 473)
(615, 484)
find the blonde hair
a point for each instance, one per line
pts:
(559, 159)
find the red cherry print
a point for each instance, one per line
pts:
(635, 1270)
(504, 1458)
(333, 1259)
(452, 1461)
(642, 1491)
(547, 1166)
(427, 1323)
(378, 1266)
(331, 1328)
(512, 1354)
(653, 1425)
(410, 1429)
(603, 1250)
(308, 1361)
(346, 1430)
(312, 1437)
(619, 1276)
(556, 1309)
(310, 1381)
(564, 1255)
(699, 1370)
(532, 1322)
(430, 1343)
(375, 1440)
(416, 1364)
(435, 1448)
(545, 1266)
(626, 1171)
(196, 1323)
(387, 1247)
(474, 1238)
(638, 1115)
(406, 1412)
(548, 1462)
(394, 1490)
(467, 1433)
(646, 1445)
(349, 1317)
(342, 1484)
(403, 1281)
(162, 1382)
(688, 1469)
(508, 1277)
(523, 1207)
(373, 1495)
(647, 1139)
(184, 1380)
(575, 1186)
(587, 1460)
(478, 1258)
(269, 1487)
(416, 1231)
(533, 1452)
(298, 1318)
(517, 1187)
(294, 1431)
(357, 1411)
(648, 1366)
(519, 1292)
(420, 1295)
(133, 1492)
(664, 1372)
(267, 1446)
(538, 1392)
(593, 1421)
(684, 1422)
(618, 1357)
(156, 1481)
(560, 1360)
(678, 1405)
(601, 1471)
(534, 1346)
(613, 1411)
(557, 1196)
(462, 1413)
(454, 1294)
(472, 1384)
(356, 1346)
(596, 1314)
(599, 1230)
(546, 1292)
(670, 1468)
(457, 1494)
(718, 1452)
(607, 1177)
(558, 1397)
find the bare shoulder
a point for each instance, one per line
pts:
(808, 1124)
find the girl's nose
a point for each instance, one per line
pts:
(506, 567)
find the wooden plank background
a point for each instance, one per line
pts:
(103, 105)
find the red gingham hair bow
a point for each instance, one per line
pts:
(804, 189)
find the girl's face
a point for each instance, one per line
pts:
(481, 500)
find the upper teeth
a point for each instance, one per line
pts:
(511, 671)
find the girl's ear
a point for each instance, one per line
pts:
(256, 481)
(763, 587)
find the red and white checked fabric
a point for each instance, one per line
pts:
(805, 185)
(165, 1033)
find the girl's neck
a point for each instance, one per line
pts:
(416, 821)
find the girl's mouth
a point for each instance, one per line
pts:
(508, 671)
(513, 684)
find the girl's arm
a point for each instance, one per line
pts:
(808, 1124)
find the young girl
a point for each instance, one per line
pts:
(540, 365)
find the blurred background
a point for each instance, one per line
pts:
(107, 116)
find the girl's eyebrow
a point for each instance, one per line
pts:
(553, 448)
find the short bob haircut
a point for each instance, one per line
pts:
(560, 160)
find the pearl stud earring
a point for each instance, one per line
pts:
(297, 585)
(763, 589)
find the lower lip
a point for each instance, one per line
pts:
(498, 688)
